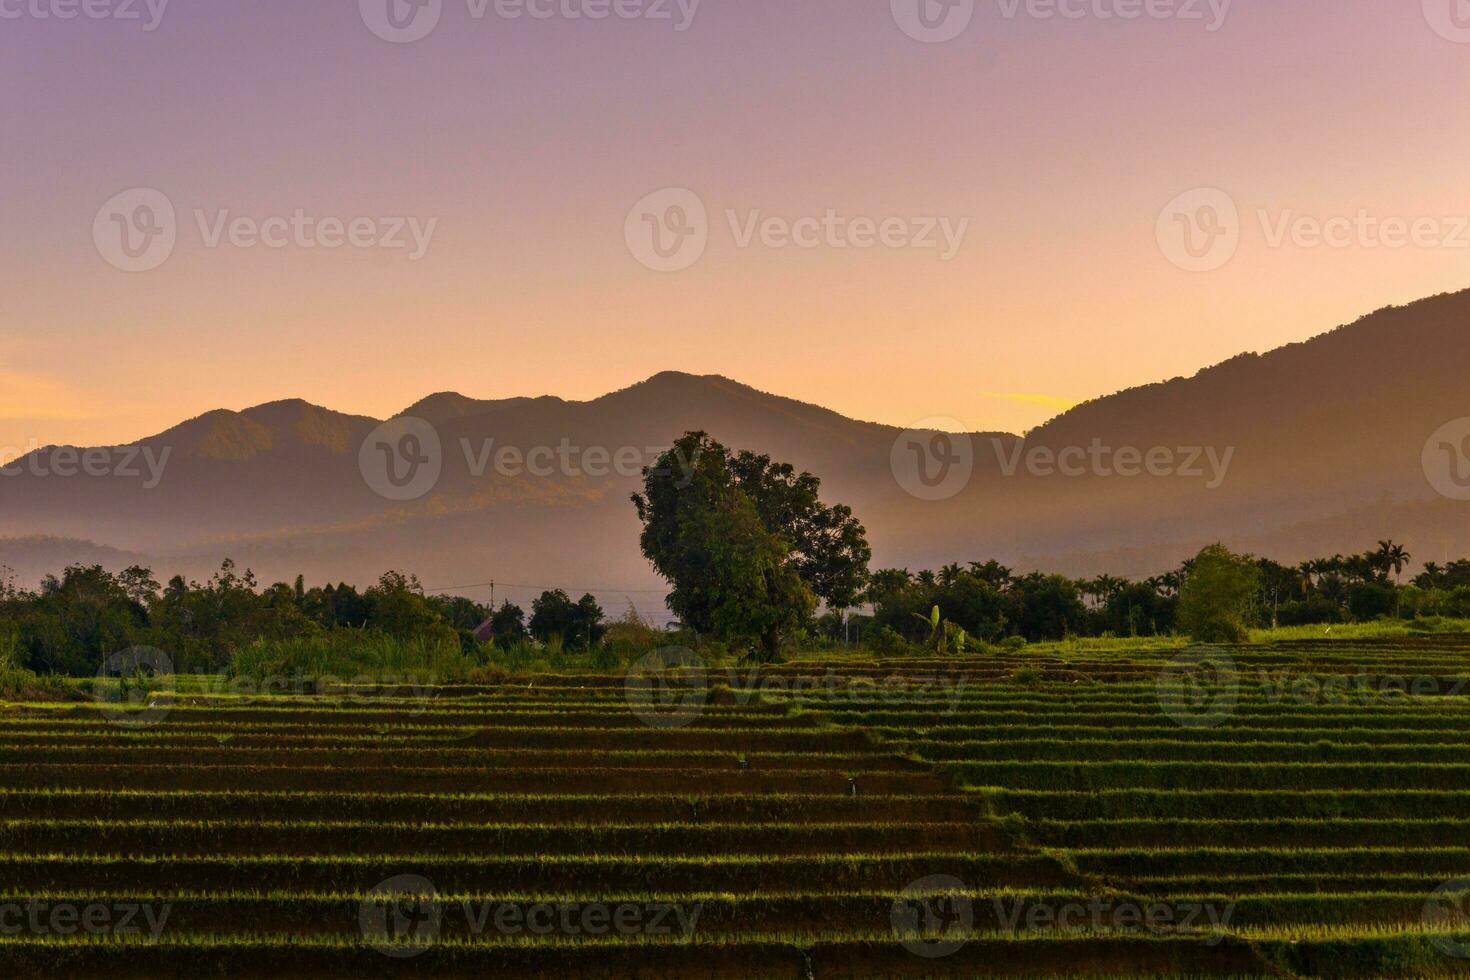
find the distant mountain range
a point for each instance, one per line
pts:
(1316, 448)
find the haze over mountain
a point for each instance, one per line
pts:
(1323, 442)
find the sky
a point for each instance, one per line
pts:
(979, 214)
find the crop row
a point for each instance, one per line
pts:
(421, 779)
(574, 873)
(1199, 804)
(316, 839)
(658, 807)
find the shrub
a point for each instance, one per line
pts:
(886, 642)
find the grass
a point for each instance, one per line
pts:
(1050, 775)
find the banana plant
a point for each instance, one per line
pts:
(944, 635)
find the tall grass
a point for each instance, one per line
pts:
(351, 655)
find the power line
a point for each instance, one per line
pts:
(546, 588)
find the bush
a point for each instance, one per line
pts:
(886, 642)
(19, 684)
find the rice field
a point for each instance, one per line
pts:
(1288, 810)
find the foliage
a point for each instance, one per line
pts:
(1214, 604)
(349, 654)
(578, 624)
(746, 546)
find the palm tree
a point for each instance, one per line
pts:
(1393, 556)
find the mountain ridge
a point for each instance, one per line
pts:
(1316, 430)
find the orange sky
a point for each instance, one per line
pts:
(1059, 141)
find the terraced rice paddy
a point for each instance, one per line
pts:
(1030, 814)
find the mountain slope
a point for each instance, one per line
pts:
(1322, 439)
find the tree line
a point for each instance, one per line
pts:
(72, 622)
(755, 561)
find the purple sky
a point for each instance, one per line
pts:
(525, 143)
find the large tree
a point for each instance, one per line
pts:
(1215, 604)
(746, 544)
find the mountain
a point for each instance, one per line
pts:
(1316, 448)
